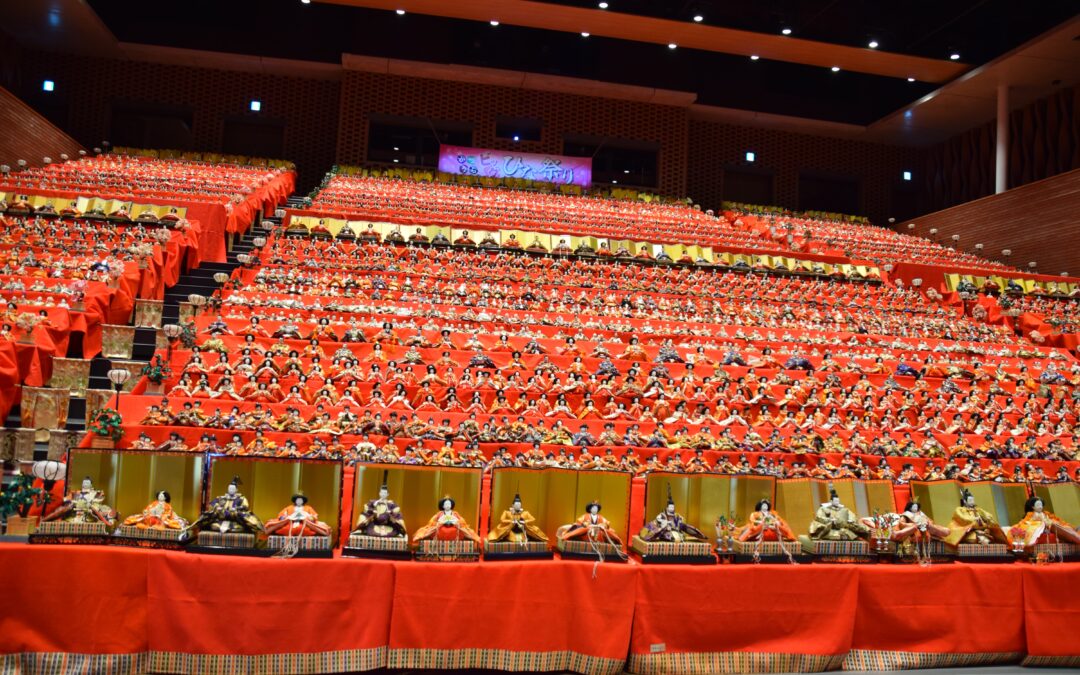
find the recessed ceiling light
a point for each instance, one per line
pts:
(698, 18)
(396, 148)
(396, 160)
(836, 69)
(754, 57)
(911, 79)
(494, 22)
(672, 45)
(400, 12)
(873, 44)
(626, 170)
(786, 31)
(954, 56)
(584, 34)
(614, 181)
(305, 2)
(603, 5)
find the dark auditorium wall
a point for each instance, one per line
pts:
(1037, 222)
(481, 104)
(307, 108)
(27, 135)
(717, 148)
(1044, 140)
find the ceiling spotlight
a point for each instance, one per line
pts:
(516, 138)
(614, 181)
(954, 56)
(396, 160)
(698, 18)
(603, 5)
(494, 22)
(785, 31)
(911, 79)
(305, 2)
(400, 12)
(835, 69)
(873, 44)
(584, 34)
(671, 45)
(396, 148)
(626, 170)
(754, 57)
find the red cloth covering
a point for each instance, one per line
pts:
(9, 377)
(177, 612)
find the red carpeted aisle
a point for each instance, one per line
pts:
(102, 609)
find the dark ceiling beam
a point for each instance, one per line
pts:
(685, 34)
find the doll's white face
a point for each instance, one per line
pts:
(835, 501)
(447, 505)
(914, 508)
(298, 502)
(594, 509)
(516, 505)
(87, 485)
(1037, 506)
(765, 507)
(161, 496)
(670, 510)
(969, 501)
(383, 493)
(231, 489)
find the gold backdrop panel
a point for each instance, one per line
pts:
(798, 499)
(418, 490)
(556, 497)
(939, 499)
(269, 484)
(701, 499)
(131, 480)
(1061, 499)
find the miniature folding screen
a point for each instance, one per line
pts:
(132, 479)
(418, 490)
(702, 499)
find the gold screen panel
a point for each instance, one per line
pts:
(269, 485)
(1062, 500)
(131, 480)
(556, 497)
(701, 499)
(1004, 501)
(797, 500)
(418, 489)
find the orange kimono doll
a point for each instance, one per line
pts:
(765, 525)
(446, 525)
(1040, 526)
(590, 527)
(298, 520)
(158, 515)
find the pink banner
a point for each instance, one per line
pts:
(510, 164)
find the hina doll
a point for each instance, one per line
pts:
(765, 525)
(229, 513)
(516, 525)
(158, 515)
(913, 530)
(298, 520)
(84, 506)
(381, 517)
(973, 525)
(591, 527)
(835, 522)
(669, 526)
(1040, 524)
(446, 525)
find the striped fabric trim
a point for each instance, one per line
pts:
(305, 543)
(348, 661)
(379, 543)
(822, 547)
(60, 663)
(233, 540)
(869, 659)
(981, 550)
(767, 548)
(703, 663)
(66, 528)
(501, 659)
(436, 547)
(1056, 549)
(512, 547)
(671, 548)
(575, 546)
(1052, 661)
(133, 532)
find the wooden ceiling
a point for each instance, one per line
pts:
(685, 34)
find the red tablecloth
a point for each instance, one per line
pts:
(119, 610)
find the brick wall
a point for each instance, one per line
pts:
(877, 167)
(561, 114)
(1037, 221)
(27, 135)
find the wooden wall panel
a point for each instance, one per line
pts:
(27, 135)
(1037, 222)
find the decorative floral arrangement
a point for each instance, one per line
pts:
(1017, 534)
(28, 321)
(18, 496)
(78, 290)
(144, 250)
(107, 423)
(157, 371)
(882, 525)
